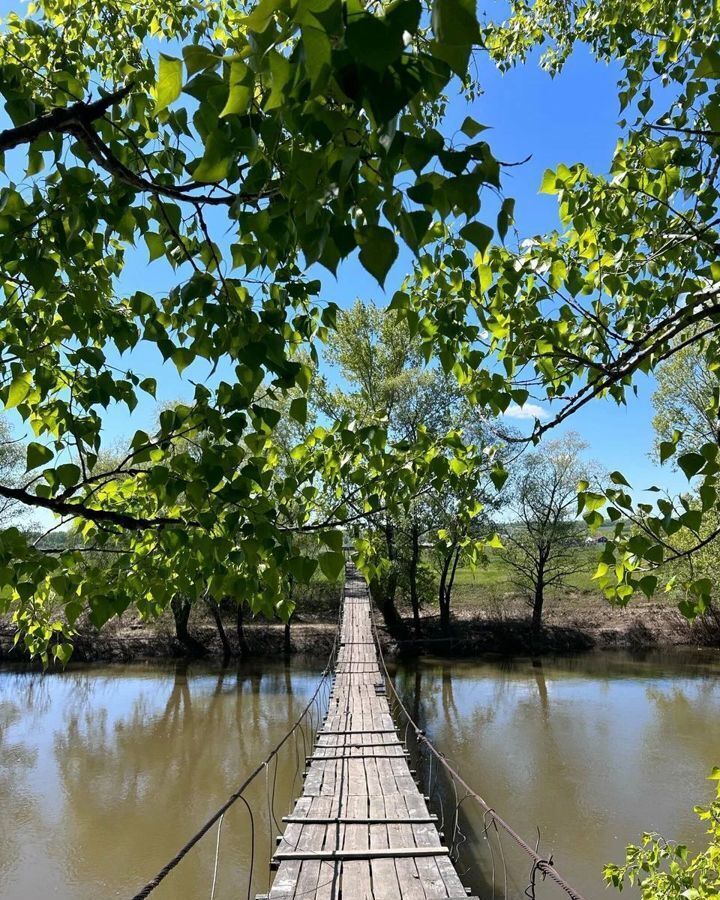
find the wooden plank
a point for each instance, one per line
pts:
(367, 820)
(384, 876)
(356, 880)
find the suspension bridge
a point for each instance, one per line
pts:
(362, 829)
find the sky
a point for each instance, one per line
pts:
(571, 118)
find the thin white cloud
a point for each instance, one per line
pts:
(527, 411)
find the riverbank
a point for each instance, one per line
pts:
(577, 622)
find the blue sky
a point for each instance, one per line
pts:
(567, 119)
(570, 118)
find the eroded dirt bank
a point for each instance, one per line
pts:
(568, 628)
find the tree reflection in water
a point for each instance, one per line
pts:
(591, 749)
(135, 759)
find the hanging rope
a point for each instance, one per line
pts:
(145, 891)
(217, 858)
(539, 864)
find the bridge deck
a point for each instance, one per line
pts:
(361, 828)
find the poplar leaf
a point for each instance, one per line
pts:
(169, 81)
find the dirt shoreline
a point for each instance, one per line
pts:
(567, 629)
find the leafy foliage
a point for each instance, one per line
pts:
(262, 138)
(664, 870)
(628, 281)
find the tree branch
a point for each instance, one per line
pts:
(61, 120)
(78, 510)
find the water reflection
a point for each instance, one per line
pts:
(105, 773)
(582, 753)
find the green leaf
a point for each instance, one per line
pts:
(68, 474)
(691, 463)
(619, 478)
(198, 58)
(262, 13)
(472, 128)
(376, 42)
(667, 449)
(298, 410)
(378, 250)
(414, 226)
(169, 81)
(505, 217)
(333, 539)
(709, 65)
(455, 22)
(648, 585)
(302, 568)
(241, 90)
(592, 501)
(478, 234)
(155, 245)
(149, 385)
(318, 54)
(37, 455)
(594, 520)
(20, 388)
(485, 277)
(62, 652)
(549, 180)
(498, 476)
(182, 357)
(332, 565)
(217, 159)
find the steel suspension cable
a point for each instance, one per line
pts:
(148, 888)
(539, 863)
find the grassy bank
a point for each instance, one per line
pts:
(491, 613)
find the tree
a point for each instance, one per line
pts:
(385, 381)
(541, 541)
(684, 400)
(628, 279)
(12, 456)
(265, 138)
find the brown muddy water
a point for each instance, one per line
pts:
(105, 771)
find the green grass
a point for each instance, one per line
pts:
(497, 577)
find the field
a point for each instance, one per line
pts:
(496, 579)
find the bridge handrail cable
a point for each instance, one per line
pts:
(541, 864)
(148, 888)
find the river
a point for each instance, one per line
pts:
(105, 771)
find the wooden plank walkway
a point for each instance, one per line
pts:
(361, 828)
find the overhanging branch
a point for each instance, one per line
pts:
(80, 511)
(61, 120)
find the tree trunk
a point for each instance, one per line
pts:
(392, 556)
(181, 613)
(215, 612)
(451, 580)
(243, 649)
(444, 593)
(287, 646)
(414, 557)
(393, 622)
(538, 601)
